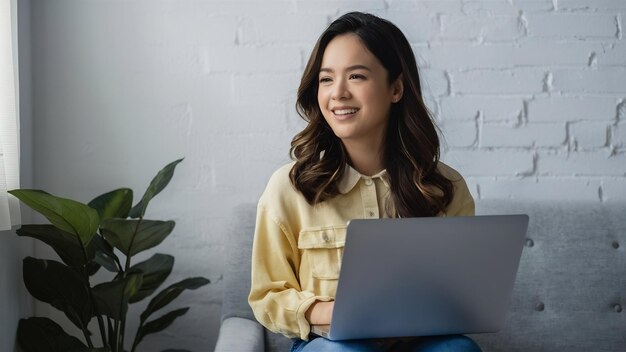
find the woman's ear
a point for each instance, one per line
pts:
(397, 89)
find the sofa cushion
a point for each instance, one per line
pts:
(571, 283)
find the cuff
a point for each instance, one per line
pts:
(303, 325)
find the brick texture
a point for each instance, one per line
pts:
(573, 25)
(572, 108)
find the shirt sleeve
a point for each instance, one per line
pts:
(276, 299)
(462, 202)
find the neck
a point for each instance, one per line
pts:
(365, 157)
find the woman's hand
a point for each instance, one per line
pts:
(320, 313)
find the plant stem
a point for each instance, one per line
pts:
(86, 333)
(93, 301)
(120, 339)
(105, 341)
(119, 265)
(111, 333)
(122, 332)
(127, 266)
(87, 338)
(117, 337)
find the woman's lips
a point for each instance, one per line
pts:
(344, 114)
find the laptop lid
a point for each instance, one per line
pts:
(427, 276)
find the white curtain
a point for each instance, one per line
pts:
(9, 120)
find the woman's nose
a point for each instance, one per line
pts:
(340, 90)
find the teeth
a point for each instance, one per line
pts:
(345, 111)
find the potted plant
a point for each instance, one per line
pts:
(107, 232)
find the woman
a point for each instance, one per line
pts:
(370, 150)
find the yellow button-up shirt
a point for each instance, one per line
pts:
(297, 249)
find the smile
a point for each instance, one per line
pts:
(345, 111)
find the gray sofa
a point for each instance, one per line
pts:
(569, 295)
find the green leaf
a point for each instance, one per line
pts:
(121, 234)
(112, 297)
(66, 214)
(114, 204)
(107, 262)
(105, 255)
(159, 324)
(166, 296)
(44, 335)
(64, 243)
(59, 285)
(158, 183)
(92, 268)
(155, 270)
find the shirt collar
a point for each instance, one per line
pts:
(350, 177)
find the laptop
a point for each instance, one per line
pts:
(426, 276)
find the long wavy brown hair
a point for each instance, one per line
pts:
(411, 143)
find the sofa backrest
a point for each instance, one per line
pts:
(237, 276)
(570, 290)
(239, 253)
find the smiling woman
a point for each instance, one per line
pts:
(370, 150)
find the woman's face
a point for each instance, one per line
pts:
(353, 93)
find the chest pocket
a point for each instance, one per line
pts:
(322, 247)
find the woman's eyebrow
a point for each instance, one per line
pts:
(350, 68)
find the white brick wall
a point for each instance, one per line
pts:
(480, 28)
(517, 81)
(490, 108)
(584, 26)
(572, 108)
(530, 96)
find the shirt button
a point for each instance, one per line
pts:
(370, 213)
(368, 181)
(325, 237)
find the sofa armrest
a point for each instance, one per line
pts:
(240, 335)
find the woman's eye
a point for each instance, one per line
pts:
(324, 79)
(355, 76)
